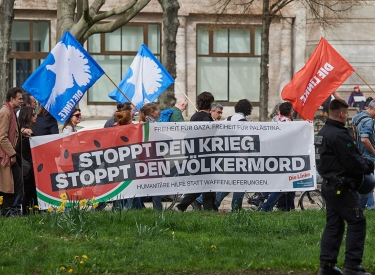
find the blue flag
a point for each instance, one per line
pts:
(145, 80)
(62, 79)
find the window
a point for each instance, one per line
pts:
(30, 46)
(115, 51)
(228, 62)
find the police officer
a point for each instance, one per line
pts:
(342, 167)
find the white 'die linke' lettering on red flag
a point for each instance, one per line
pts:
(322, 74)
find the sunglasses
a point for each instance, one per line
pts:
(77, 115)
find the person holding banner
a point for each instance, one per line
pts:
(150, 113)
(342, 168)
(178, 108)
(10, 165)
(352, 100)
(204, 102)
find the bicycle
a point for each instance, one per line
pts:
(309, 200)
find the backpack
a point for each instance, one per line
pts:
(352, 129)
(165, 115)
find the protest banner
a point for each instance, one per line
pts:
(159, 159)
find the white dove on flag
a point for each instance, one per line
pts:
(145, 80)
(150, 82)
(70, 64)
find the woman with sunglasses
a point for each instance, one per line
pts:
(26, 119)
(71, 123)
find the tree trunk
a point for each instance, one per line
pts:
(170, 27)
(264, 80)
(6, 19)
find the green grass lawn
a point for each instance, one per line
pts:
(149, 242)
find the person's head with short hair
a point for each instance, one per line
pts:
(286, 109)
(338, 110)
(275, 111)
(204, 101)
(28, 100)
(181, 103)
(371, 108)
(243, 106)
(216, 111)
(148, 110)
(14, 97)
(123, 117)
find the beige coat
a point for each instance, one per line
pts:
(6, 177)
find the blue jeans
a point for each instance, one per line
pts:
(370, 200)
(236, 200)
(156, 202)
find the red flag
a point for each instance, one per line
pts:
(322, 74)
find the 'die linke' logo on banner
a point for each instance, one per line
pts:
(197, 156)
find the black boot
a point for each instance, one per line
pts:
(329, 270)
(355, 270)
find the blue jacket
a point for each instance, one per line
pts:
(365, 129)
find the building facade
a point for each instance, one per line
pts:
(216, 53)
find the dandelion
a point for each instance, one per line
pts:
(83, 202)
(81, 262)
(76, 257)
(61, 208)
(50, 209)
(64, 196)
(1, 200)
(30, 208)
(63, 202)
(70, 270)
(85, 257)
(62, 268)
(172, 233)
(36, 206)
(95, 205)
(213, 246)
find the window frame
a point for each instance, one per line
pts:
(252, 28)
(103, 51)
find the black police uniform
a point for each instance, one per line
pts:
(342, 167)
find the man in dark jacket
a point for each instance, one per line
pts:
(342, 168)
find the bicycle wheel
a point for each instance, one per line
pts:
(312, 200)
(255, 200)
(168, 201)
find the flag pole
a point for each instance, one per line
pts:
(186, 97)
(364, 81)
(122, 92)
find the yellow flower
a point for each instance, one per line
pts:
(213, 246)
(62, 268)
(63, 202)
(64, 196)
(30, 208)
(83, 202)
(81, 262)
(95, 205)
(36, 206)
(173, 233)
(70, 270)
(61, 208)
(50, 209)
(1, 200)
(76, 257)
(85, 257)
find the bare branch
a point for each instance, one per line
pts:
(117, 11)
(95, 7)
(114, 25)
